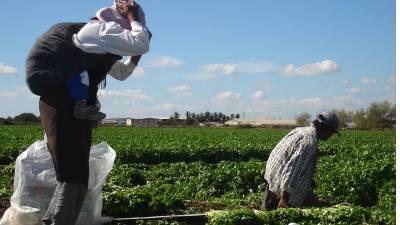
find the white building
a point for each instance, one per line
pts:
(147, 122)
(262, 122)
(117, 121)
(211, 124)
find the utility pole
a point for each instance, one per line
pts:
(243, 115)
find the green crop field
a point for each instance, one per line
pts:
(220, 172)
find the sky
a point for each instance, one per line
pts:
(266, 59)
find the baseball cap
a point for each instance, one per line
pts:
(330, 119)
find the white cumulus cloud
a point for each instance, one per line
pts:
(258, 95)
(138, 72)
(211, 71)
(165, 61)
(241, 68)
(228, 95)
(266, 86)
(340, 98)
(135, 95)
(368, 81)
(227, 69)
(310, 100)
(163, 107)
(7, 70)
(184, 89)
(228, 101)
(354, 90)
(256, 67)
(325, 67)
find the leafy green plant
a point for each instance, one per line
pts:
(162, 171)
(336, 215)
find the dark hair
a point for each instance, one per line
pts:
(321, 126)
(94, 18)
(134, 10)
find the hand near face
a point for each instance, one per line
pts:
(135, 59)
(135, 13)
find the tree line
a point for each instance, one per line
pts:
(376, 115)
(204, 117)
(30, 118)
(21, 119)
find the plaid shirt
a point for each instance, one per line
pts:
(292, 164)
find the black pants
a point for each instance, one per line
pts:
(69, 139)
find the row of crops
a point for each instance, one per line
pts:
(180, 171)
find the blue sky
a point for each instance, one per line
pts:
(269, 59)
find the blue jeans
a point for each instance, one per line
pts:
(76, 90)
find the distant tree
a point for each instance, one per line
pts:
(193, 116)
(2, 120)
(232, 116)
(389, 119)
(212, 117)
(226, 118)
(360, 119)
(237, 116)
(9, 121)
(216, 117)
(221, 117)
(176, 116)
(26, 118)
(202, 117)
(345, 117)
(381, 115)
(303, 119)
(207, 116)
(188, 116)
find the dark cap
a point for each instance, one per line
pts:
(330, 119)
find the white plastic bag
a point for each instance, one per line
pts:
(35, 182)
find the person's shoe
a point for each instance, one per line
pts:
(84, 111)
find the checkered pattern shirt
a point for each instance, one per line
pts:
(292, 165)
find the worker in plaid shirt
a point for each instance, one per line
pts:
(292, 164)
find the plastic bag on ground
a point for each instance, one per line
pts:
(35, 182)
